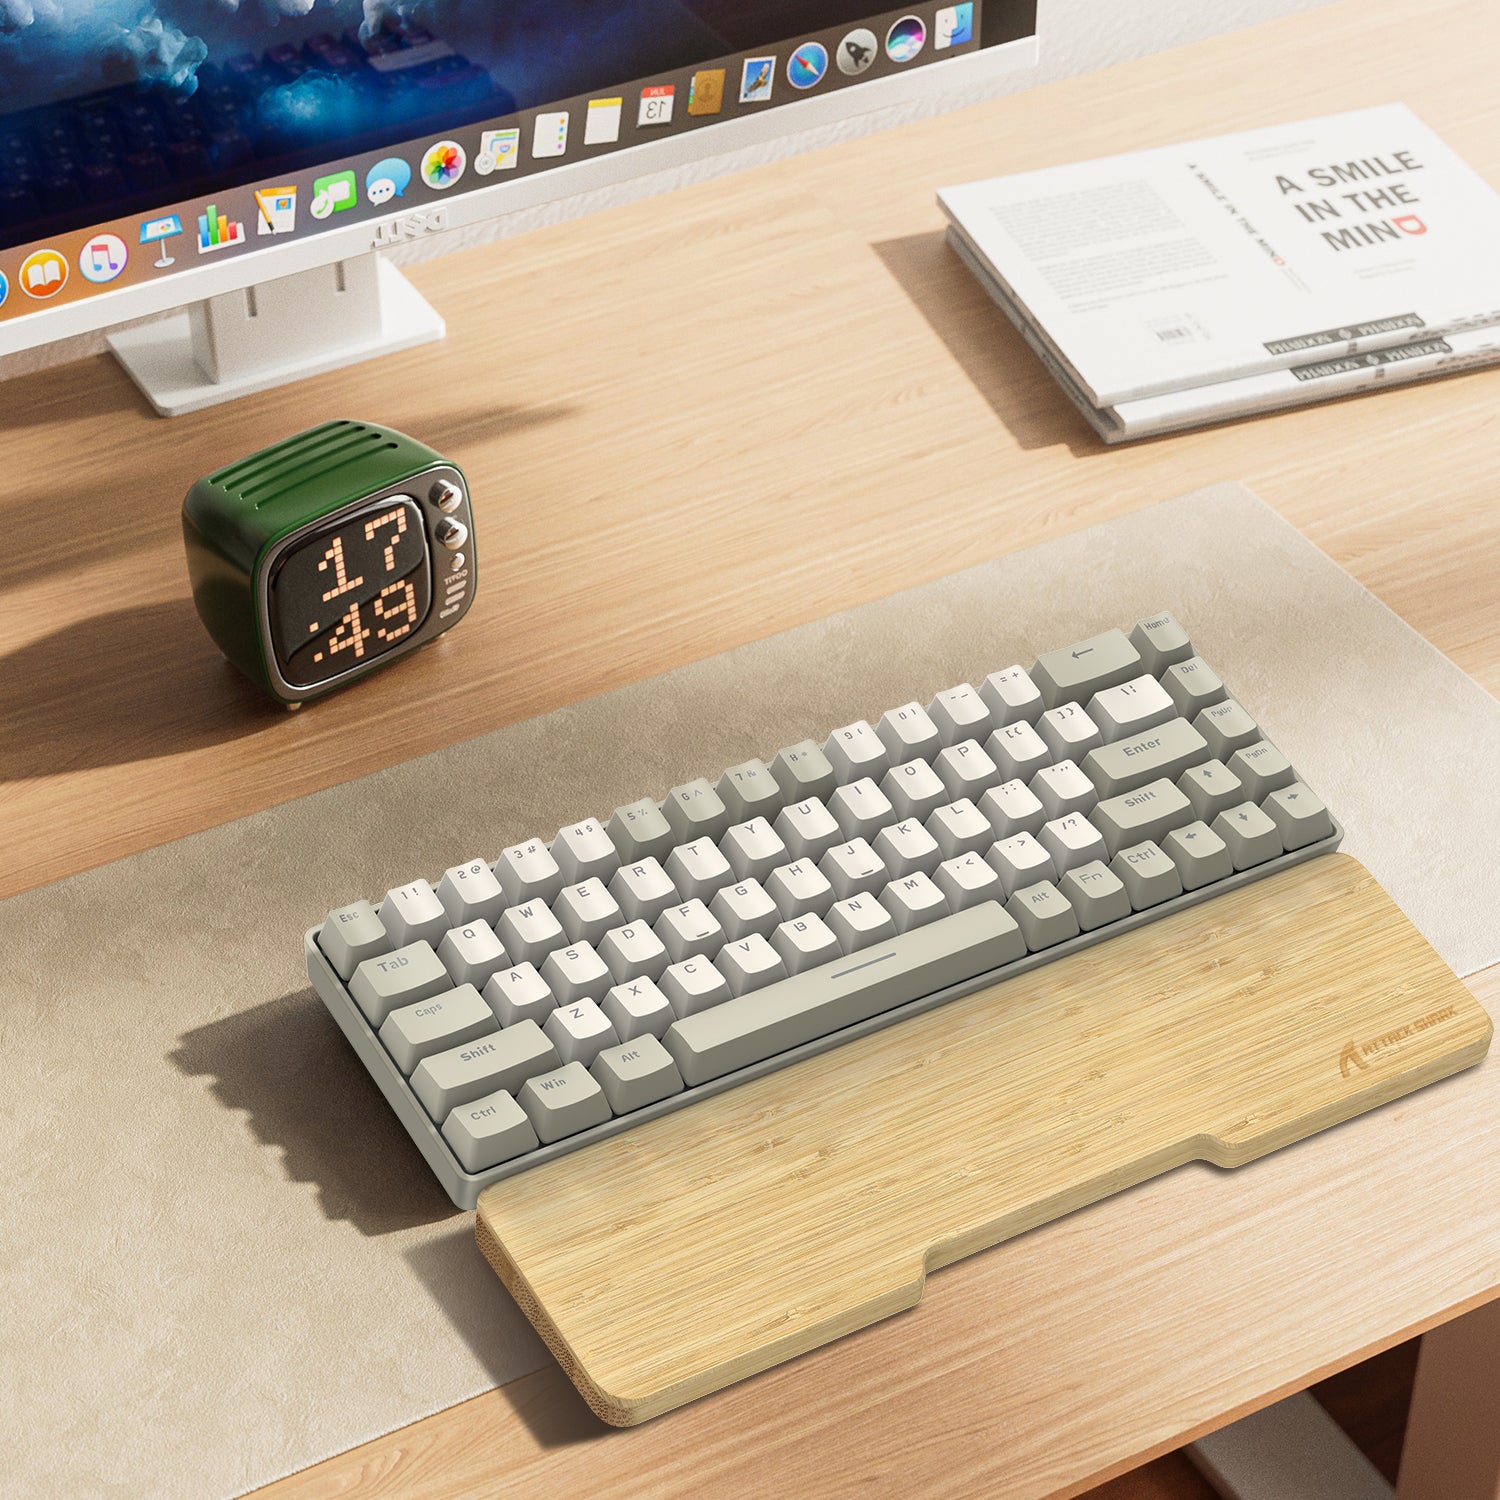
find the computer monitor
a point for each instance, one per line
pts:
(247, 162)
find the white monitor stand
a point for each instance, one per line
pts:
(275, 332)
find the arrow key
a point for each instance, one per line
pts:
(1251, 835)
(1200, 855)
(1211, 788)
(1300, 816)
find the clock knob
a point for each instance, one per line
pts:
(452, 534)
(446, 496)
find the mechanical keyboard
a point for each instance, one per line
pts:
(514, 1009)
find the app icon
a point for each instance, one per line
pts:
(601, 127)
(550, 137)
(756, 80)
(4, 288)
(806, 67)
(857, 51)
(217, 232)
(387, 179)
(158, 232)
(953, 26)
(706, 92)
(44, 273)
(275, 210)
(905, 39)
(499, 151)
(443, 165)
(656, 105)
(334, 194)
(102, 258)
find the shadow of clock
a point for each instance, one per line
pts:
(126, 685)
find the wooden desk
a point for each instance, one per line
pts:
(697, 420)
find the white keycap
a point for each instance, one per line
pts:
(805, 943)
(643, 889)
(749, 790)
(693, 985)
(914, 789)
(412, 913)
(743, 909)
(1068, 732)
(966, 881)
(470, 892)
(583, 850)
(860, 808)
(688, 929)
(579, 1031)
(859, 921)
(909, 733)
(530, 931)
(1141, 703)
(472, 953)
(913, 900)
(640, 830)
(698, 869)
(750, 963)
(1020, 861)
(350, 935)
(1043, 914)
(633, 952)
(960, 714)
(1063, 789)
(799, 888)
(1012, 808)
(638, 1009)
(1018, 750)
(802, 771)
(1072, 840)
(855, 751)
(528, 872)
(586, 911)
(1011, 697)
(807, 828)
(518, 994)
(907, 847)
(753, 849)
(960, 828)
(576, 973)
(695, 810)
(852, 868)
(967, 770)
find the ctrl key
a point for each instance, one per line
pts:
(563, 1102)
(489, 1131)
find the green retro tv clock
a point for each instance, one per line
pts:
(328, 555)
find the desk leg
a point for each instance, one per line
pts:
(1452, 1449)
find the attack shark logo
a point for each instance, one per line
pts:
(1357, 1056)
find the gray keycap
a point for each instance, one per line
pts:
(1262, 768)
(636, 1074)
(1193, 685)
(1299, 816)
(1227, 728)
(1162, 642)
(812, 1004)
(1200, 855)
(436, 1024)
(1149, 875)
(695, 810)
(1075, 673)
(749, 790)
(803, 771)
(501, 1060)
(381, 985)
(563, 1102)
(488, 1131)
(1149, 812)
(1211, 787)
(1167, 750)
(640, 830)
(350, 935)
(1044, 915)
(1251, 835)
(1096, 894)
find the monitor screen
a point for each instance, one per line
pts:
(143, 138)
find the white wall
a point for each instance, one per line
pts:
(1076, 36)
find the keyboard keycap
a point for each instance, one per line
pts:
(913, 901)
(636, 1073)
(1162, 642)
(853, 868)
(1096, 894)
(1063, 789)
(1200, 855)
(749, 790)
(1262, 769)
(586, 911)
(1018, 751)
(528, 872)
(471, 954)
(637, 1009)
(530, 932)
(694, 985)
(1011, 697)
(1211, 788)
(579, 1031)
(584, 851)
(968, 881)
(1149, 812)
(519, 994)
(753, 849)
(906, 847)
(381, 985)
(909, 733)
(471, 893)
(808, 829)
(749, 963)
(1140, 704)
(576, 973)
(1150, 877)
(1251, 835)
(802, 771)
(489, 1131)
(633, 952)
(1227, 728)
(688, 929)
(500, 1060)
(856, 751)
(1068, 732)
(1071, 841)
(412, 913)
(960, 828)
(1075, 673)
(696, 811)
(1019, 861)
(563, 1102)
(1165, 750)
(812, 1004)
(698, 869)
(639, 831)
(1194, 685)
(1012, 808)
(1299, 816)
(860, 921)
(914, 789)
(643, 889)
(413, 1032)
(350, 935)
(805, 943)
(860, 809)
(960, 714)
(966, 770)
(1044, 915)
(744, 909)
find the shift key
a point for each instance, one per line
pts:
(1165, 751)
(1150, 812)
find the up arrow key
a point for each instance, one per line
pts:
(1075, 673)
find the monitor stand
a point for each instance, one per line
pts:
(274, 333)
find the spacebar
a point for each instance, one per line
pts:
(876, 979)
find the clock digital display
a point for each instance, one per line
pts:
(348, 594)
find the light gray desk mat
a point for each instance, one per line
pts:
(221, 1260)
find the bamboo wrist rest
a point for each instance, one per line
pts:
(709, 1244)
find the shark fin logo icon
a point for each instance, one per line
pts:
(1349, 1060)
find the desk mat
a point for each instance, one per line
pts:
(222, 1259)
